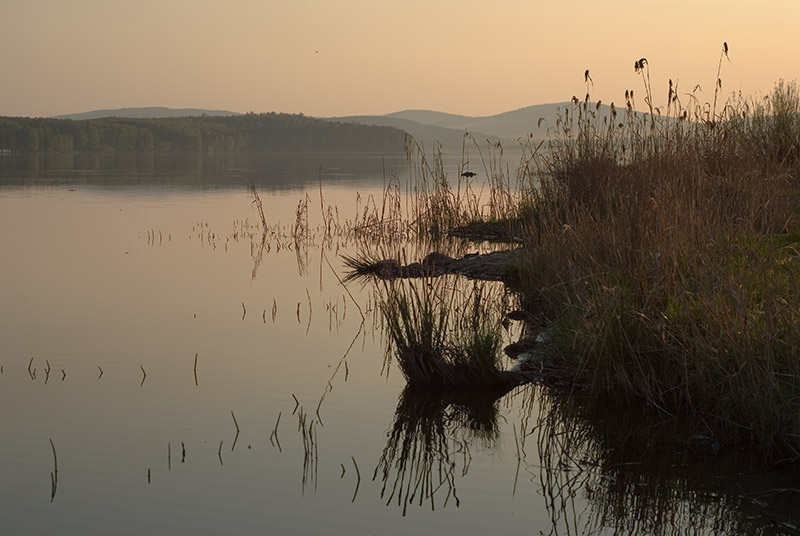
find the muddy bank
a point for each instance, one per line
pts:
(489, 267)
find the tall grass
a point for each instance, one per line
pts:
(663, 248)
(440, 203)
(445, 333)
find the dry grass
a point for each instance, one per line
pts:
(445, 332)
(662, 248)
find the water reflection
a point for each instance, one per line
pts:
(589, 470)
(432, 434)
(609, 474)
(636, 478)
(270, 171)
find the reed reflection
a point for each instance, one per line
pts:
(616, 472)
(429, 445)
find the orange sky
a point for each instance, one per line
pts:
(341, 57)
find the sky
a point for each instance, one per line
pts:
(351, 57)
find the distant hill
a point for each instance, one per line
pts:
(507, 127)
(427, 134)
(153, 112)
(204, 134)
(430, 117)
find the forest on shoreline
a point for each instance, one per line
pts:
(202, 134)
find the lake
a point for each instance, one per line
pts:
(161, 372)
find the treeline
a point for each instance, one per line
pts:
(204, 134)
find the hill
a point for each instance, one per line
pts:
(427, 134)
(507, 127)
(242, 133)
(152, 112)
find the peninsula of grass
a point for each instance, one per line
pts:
(664, 252)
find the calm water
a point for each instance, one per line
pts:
(117, 279)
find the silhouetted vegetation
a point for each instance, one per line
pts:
(662, 257)
(205, 134)
(664, 250)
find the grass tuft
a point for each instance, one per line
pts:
(443, 335)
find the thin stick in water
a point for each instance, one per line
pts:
(358, 483)
(54, 474)
(236, 438)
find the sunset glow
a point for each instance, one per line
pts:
(326, 58)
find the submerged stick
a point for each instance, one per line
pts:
(310, 311)
(257, 203)
(363, 318)
(236, 438)
(275, 433)
(144, 375)
(358, 483)
(53, 475)
(195, 368)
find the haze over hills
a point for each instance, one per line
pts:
(428, 127)
(424, 133)
(508, 125)
(510, 128)
(152, 112)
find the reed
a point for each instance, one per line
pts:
(442, 334)
(664, 250)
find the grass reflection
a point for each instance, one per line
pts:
(615, 471)
(431, 435)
